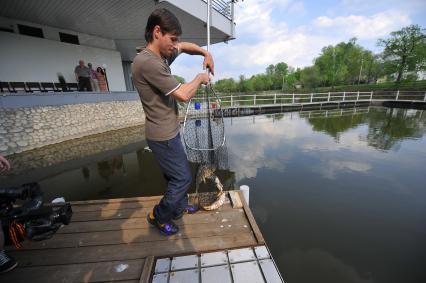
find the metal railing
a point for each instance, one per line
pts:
(278, 99)
(223, 7)
(310, 114)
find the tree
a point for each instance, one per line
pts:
(179, 79)
(310, 77)
(405, 51)
(226, 85)
(241, 85)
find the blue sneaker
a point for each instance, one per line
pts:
(7, 263)
(168, 228)
(189, 209)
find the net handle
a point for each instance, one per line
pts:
(208, 24)
(185, 120)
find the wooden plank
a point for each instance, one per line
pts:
(235, 199)
(132, 223)
(110, 214)
(83, 272)
(113, 206)
(130, 251)
(93, 205)
(116, 200)
(149, 234)
(127, 213)
(252, 221)
(147, 270)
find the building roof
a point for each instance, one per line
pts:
(122, 21)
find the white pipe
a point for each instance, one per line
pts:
(246, 192)
(208, 24)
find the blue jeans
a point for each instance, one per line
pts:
(175, 166)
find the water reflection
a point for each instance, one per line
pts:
(386, 126)
(339, 193)
(271, 141)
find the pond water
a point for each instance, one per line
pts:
(339, 195)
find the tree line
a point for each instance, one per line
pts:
(347, 63)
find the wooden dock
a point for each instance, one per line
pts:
(110, 240)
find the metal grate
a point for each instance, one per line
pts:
(236, 265)
(223, 7)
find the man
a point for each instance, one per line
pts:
(7, 263)
(158, 91)
(82, 76)
(93, 78)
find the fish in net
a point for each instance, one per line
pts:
(204, 139)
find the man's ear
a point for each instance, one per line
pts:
(157, 31)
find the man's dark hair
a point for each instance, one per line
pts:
(167, 22)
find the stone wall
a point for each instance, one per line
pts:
(73, 150)
(27, 128)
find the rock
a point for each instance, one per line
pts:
(16, 130)
(12, 145)
(22, 143)
(3, 147)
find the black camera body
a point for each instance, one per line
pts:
(40, 221)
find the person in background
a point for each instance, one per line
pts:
(159, 90)
(100, 75)
(4, 164)
(82, 76)
(93, 78)
(7, 263)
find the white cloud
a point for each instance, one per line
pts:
(295, 49)
(365, 27)
(297, 8)
(267, 34)
(331, 167)
(359, 6)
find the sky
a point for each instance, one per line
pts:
(294, 32)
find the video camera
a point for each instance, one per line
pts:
(39, 221)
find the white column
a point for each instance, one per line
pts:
(246, 192)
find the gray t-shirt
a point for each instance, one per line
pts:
(82, 71)
(153, 79)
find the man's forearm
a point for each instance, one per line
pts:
(192, 49)
(186, 91)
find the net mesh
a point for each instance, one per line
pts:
(204, 128)
(204, 139)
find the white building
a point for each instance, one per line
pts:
(41, 38)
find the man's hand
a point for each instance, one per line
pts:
(4, 164)
(194, 49)
(208, 63)
(204, 78)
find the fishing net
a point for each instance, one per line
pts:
(204, 139)
(203, 127)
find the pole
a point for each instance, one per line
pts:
(360, 70)
(208, 25)
(106, 78)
